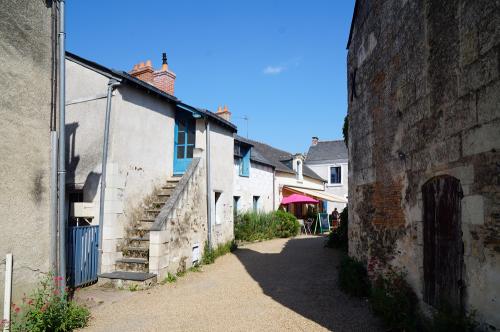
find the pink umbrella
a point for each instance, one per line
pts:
(296, 198)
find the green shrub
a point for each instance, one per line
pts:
(286, 224)
(48, 310)
(252, 226)
(393, 300)
(353, 278)
(338, 238)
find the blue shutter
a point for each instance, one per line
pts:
(245, 169)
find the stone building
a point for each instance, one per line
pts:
(424, 147)
(158, 166)
(27, 106)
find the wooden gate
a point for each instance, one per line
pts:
(83, 242)
(443, 246)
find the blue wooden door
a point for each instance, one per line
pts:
(184, 143)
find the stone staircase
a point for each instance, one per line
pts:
(133, 267)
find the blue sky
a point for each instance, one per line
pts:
(280, 63)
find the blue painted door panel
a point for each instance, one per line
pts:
(184, 140)
(82, 245)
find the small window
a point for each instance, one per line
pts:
(256, 203)
(236, 201)
(218, 214)
(299, 170)
(244, 162)
(335, 175)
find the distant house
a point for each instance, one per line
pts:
(253, 178)
(291, 176)
(159, 168)
(329, 159)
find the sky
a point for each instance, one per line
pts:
(279, 63)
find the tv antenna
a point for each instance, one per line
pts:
(244, 118)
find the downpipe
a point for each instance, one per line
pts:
(62, 148)
(112, 84)
(209, 187)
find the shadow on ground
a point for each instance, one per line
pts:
(303, 277)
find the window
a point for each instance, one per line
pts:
(335, 175)
(217, 212)
(244, 161)
(236, 200)
(256, 203)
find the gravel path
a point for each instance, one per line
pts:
(277, 285)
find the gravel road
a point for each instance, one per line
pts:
(277, 285)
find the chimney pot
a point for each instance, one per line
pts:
(314, 141)
(148, 63)
(141, 65)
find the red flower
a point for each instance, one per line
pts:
(17, 309)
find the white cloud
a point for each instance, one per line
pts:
(273, 70)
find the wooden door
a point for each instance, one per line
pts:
(443, 246)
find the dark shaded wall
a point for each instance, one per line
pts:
(25, 116)
(424, 101)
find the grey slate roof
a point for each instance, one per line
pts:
(127, 78)
(327, 150)
(278, 158)
(255, 155)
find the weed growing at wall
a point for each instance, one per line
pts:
(338, 238)
(393, 300)
(48, 310)
(353, 278)
(252, 226)
(210, 254)
(170, 278)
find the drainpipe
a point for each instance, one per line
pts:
(209, 186)
(111, 85)
(274, 189)
(53, 201)
(62, 148)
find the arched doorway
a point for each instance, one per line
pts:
(443, 246)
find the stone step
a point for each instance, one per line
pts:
(133, 264)
(135, 252)
(152, 211)
(157, 205)
(138, 231)
(139, 241)
(169, 187)
(124, 279)
(146, 220)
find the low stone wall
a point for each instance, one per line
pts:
(181, 225)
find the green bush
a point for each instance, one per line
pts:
(252, 226)
(353, 278)
(286, 224)
(48, 310)
(393, 299)
(338, 238)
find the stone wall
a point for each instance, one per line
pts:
(25, 118)
(181, 226)
(424, 96)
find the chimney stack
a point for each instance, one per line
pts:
(224, 113)
(315, 141)
(162, 79)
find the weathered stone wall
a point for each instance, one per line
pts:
(25, 117)
(183, 227)
(424, 96)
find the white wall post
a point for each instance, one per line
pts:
(8, 292)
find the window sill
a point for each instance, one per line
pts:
(334, 184)
(244, 176)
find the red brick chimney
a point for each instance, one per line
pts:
(162, 79)
(224, 113)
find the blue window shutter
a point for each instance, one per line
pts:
(245, 170)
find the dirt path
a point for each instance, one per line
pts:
(278, 285)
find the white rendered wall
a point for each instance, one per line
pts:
(288, 179)
(323, 170)
(258, 183)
